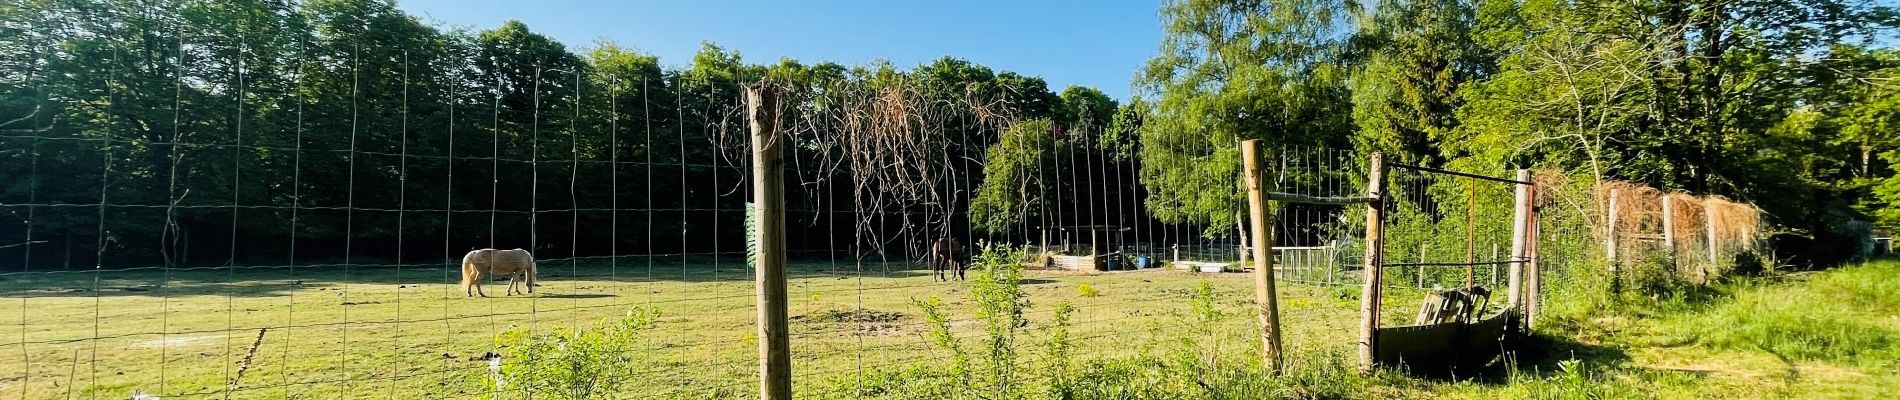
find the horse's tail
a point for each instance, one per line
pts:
(469, 274)
(533, 271)
(471, 269)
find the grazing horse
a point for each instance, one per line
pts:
(947, 253)
(516, 264)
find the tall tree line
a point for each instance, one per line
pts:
(1786, 104)
(276, 131)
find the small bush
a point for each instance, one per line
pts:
(999, 302)
(1087, 290)
(571, 364)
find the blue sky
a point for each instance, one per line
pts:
(1069, 42)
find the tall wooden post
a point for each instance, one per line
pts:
(1421, 266)
(1471, 232)
(768, 202)
(1265, 296)
(1494, 267)
(1669, 228)
(1609, 240)
(1534, 273)
(1375, 263)
(1715, 249)
(1520, 241)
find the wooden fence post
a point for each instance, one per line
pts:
(1421, 266)
(1715, 249)
(1520, 241)
(1471, 232)
(1534, 272)
(1609, 240)
(1375, 263)
(1669, 228)
(1265, 296)
(768, 202)
(1494, 267)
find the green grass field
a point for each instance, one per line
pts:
(386, 333)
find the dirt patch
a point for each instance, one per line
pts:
(867, 322)
(850, 316)
(175, 341)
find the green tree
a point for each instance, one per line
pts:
(1415, 55)
(1233, 70)
(1012, 177)
(1086, 109)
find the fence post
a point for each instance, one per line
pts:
(1375, 263)
(1265, 295)
(1494, 267)
(1715, 251)
(1471, 232)
(1534, 272)
(1421, 266)
(1609, 241)
(1669, 229)
(1520, 241)
(768, 201)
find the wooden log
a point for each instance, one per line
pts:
(1374, 270)
(1265, 295)
(768, 197)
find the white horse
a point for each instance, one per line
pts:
(517, 264)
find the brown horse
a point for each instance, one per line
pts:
(947, 253)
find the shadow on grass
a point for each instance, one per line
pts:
(272, 281)
(577, 296)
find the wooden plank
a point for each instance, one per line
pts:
(1261, 217)
(768, 199)
(1375, 254)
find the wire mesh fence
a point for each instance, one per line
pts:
(292, 222)
(264, 243)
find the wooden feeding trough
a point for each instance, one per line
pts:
(1084, 247)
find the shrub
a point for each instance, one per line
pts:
(571, 364)
(999, 302)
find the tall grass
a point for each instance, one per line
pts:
(1844, 316)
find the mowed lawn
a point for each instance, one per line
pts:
(335, 332)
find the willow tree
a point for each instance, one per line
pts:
(1233, 70)
(1011, 177)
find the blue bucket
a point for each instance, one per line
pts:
(1144, 262)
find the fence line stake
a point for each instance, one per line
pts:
(775, 356)
(1375, 265)
(1609, 241)
(1265, 295)
(1520, 241)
